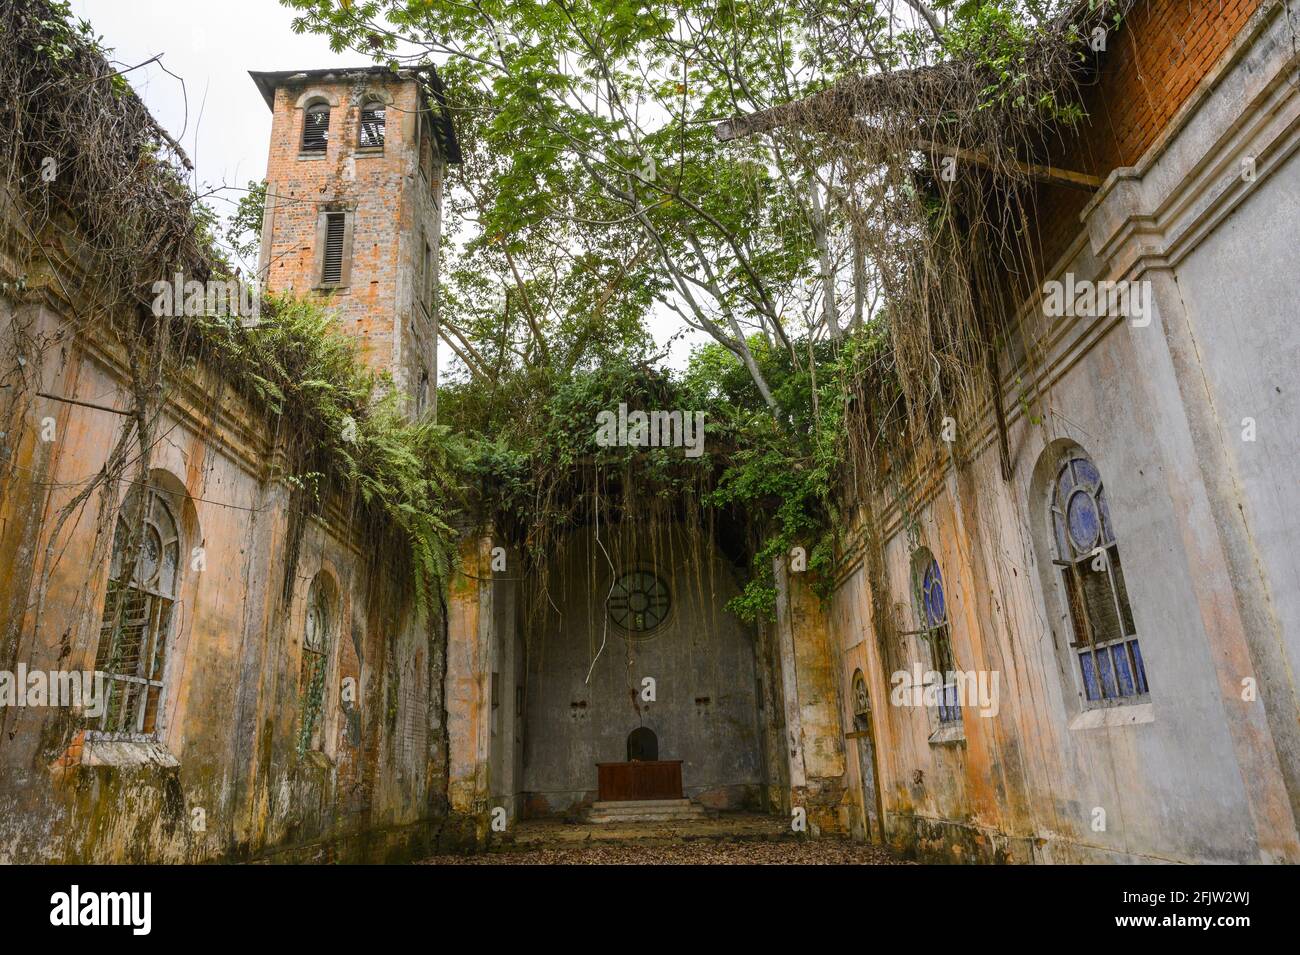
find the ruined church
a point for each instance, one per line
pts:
(1091, 659)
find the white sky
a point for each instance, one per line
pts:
(217, 114)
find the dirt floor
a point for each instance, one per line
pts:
(734, 839)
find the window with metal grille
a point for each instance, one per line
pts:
(372, 126)
(332, 261)
(1087, 555)
(317, 637)
(638, 602)
(136, 622)
(932, 608)
(316, 128)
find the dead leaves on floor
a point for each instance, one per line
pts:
(785, 852)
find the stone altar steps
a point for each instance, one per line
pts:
(553, 833)
(644, 810)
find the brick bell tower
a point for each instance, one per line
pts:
(354, 190)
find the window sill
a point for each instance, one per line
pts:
(951, 734)
(1126, 715)
(369, 151)
(309, 156)
(125, 752)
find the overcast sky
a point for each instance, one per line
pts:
(217, 113)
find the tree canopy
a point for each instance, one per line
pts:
(602, 193)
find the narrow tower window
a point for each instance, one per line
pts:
(372, 126)
(316, 128)
(332, 262)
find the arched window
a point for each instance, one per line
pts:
(136, 623)
(1087, 555)
(932, 609)
(317, 638)
(861, 698)
(372, 127)
(316, 128)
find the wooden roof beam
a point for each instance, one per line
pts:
(1049, 174)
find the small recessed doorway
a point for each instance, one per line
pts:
(642, 745)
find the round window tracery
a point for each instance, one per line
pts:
(639, 602)
(1080, 514)
(157, 551)
(861, 698)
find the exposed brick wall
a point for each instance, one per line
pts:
(1151, 66)
(394, 200)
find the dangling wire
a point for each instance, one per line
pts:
(613, 580)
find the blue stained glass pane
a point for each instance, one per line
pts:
(934, 601)
(1084, 524)
(1123, 672)
(1087, 472)
(1141, 668)
(1065, 484)
(948, 709)
(1107, 675)
(1089, 677)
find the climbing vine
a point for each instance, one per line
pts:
(99, 193)
(547, 305)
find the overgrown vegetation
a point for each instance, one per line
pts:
(769, 175)
(94, 183)
(841, 283)
(347, 428)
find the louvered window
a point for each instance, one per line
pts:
(372, 126)
(136, 623)
(316, 128)
(332, 261)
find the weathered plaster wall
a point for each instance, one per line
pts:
(806, 667)
(1234, 300)
(1197, 774)
(228, 735)
(469, 661)
(702, 659)
(485, 681)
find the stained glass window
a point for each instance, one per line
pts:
(932, 607)
(1087, 554)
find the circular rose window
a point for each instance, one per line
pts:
(639, 602)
